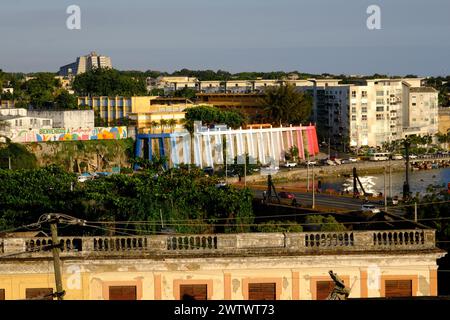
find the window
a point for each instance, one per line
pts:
(364, 109)
(380, 101)
(353, 117)
(398, 288)
(353, 109)
(45, 122)
(122, 293)
(364, 94)
(2, 294)
(353, 94)
(380, 93)
(364, 117)
(194, 292)
(262, 291)
(380, 116)
(323, 289)
(39, 293)
(413, 103)
(380, 109)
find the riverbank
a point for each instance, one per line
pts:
(343, 170)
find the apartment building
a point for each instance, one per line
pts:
(422, 116)
(142, 109)
(371, 112)
(85, 63)
(249, 266)
(20, 119)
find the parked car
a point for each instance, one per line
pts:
(397, 157)
(352, 159)
(412, 156)
(345, 161)
(290, 164)
(286, 195)
(366, 207)
(311, 162)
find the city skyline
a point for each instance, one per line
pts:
(309, 36)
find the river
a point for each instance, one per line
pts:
(374, 183)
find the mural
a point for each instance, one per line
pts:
(267, 146)
(61, 134)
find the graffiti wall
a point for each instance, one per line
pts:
(61, 134)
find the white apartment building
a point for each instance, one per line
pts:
(373, 111)
(421, 116)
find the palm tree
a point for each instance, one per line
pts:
(286, 105)
(162, 123)
(172, 123)
(154, 125)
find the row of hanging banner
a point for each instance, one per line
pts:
(267, 146)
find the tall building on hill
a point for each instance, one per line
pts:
(85, 63)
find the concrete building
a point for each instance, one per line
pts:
(84, 64)
(444, 120)
(421, 116)
(143, 109)
(68, 119)
(256, 266)
(20, 119)
(371, 112)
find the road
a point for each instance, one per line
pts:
(338, 203)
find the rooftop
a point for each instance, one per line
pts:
(422, 89)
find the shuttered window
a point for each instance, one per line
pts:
(323, 289)
(262, 291)
(398, 288)
(39, 293)
(193, 292)
(122, 293)
(2, 294)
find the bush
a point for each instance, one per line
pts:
(279, 226)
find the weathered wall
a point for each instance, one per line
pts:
(98, 155)
(227, 278)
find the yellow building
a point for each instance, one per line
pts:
(274, 266)
(142, 109)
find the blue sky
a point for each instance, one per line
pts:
(313, 36)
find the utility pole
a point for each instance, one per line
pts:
(390, 179)
(385, 195)
(56, 261)
(307, 174)
(313, 190)
(415, 212)
(9, 163)
(245, 170)
(329, 148)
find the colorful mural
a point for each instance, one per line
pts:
(267, 146)
(61, 134)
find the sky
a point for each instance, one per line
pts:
(313, 36)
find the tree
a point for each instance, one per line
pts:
(154, 125)
(285, 105)
(65, 100)
(172, 123)
(187, 93)
(211, 115)
(163, 124)
(41, 90)
(279, 226)
(108, 82)
(322, 223)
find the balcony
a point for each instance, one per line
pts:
(222, 244)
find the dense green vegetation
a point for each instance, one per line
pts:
(17, 156)
(187, 200)
(212, 115)
(285, 105)
(42, 90)
(108, 82)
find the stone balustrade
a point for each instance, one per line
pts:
(302, 243)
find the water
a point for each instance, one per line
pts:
(418, 181)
